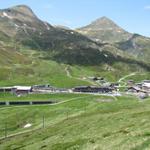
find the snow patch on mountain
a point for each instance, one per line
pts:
(6, 15)
(47, 26)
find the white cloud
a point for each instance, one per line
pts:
(147, 7)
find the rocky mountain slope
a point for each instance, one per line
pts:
(137, 45)
(106, 31)
(20, 27)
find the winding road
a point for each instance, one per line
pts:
(124, 77)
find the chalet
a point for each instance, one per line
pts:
(41, 86)
(143, 95)
(130, 82)
(47, 89)
(114, 85)
(21, 90)
(139, 85)
(146, 85)
(146, 81)
(92, 89)
(134, 89)
(6, 89)
(96, 78)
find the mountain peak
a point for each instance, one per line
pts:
(24, 9)
(104, 18)
(21, 6)
(104, 30)
(104, 23)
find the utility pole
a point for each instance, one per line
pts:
(85, 107)
(15, 45)
(6, 130)
(67, 113)
(43, 121)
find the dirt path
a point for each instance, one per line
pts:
(126, 76)
(68, 72)
(53, 104)
(40, 125)
(70, 76)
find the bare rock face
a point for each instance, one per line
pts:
(104, 30)
(24, 10)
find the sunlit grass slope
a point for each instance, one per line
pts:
(84, 123)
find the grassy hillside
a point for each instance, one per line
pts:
(53, 96)
(59, 109)
(85, 123)
(138, 46)
(34, 52)
(29, 67)
(8, 56)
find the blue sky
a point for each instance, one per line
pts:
(132, 15)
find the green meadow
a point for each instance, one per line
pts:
(31, 68)
(84, 122)
(76, 121)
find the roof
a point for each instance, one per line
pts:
(22, 87)
(6, 87)
(146, 81)
(146, 85)
(136, 88)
